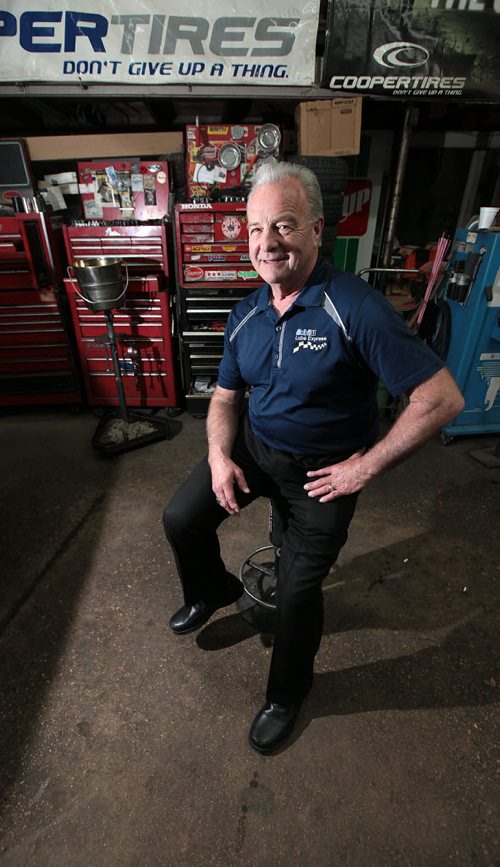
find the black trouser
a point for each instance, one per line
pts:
(313, 535)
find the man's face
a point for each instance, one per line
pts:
(283, 239)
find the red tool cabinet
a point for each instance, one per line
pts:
(143, 325)
(37, 359)
(214, 271)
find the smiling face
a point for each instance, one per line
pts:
(283, 239)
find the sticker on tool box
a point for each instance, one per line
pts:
(197, 218)
(184, 207)
(211, 248)
(216, 257)
(200, 239)
(193, 273)
(223, 275)
(247, 275)
(207, 257)
(209, 174)
(192, 228)
(230, 227)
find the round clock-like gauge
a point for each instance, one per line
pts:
(231, 227)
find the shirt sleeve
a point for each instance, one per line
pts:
(397, 356)
(229, 371)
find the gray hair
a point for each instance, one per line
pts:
(274, 172)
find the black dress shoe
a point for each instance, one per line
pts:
(191, 617)
(272, 725)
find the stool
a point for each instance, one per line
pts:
(258, 574)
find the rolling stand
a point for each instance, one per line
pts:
(101, 288)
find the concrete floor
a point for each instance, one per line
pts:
(122, 744)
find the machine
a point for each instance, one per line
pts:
(471, 301)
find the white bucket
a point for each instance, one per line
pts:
(487, 217)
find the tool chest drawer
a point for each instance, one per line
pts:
(37, 359)
(143, 248)
(26, 323)
(212, 244)
(201, 307)
(204, 351)
(137, 314)
(29, 252)
(148, 386)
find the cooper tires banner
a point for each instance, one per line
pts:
(434, 49)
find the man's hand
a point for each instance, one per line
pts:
(222, 425)
(225, 473)
(432, 404)
(338, 480)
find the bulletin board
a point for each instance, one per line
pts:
(123, 189)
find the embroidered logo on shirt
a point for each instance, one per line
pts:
(306, 338)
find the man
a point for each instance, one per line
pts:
(311, 345)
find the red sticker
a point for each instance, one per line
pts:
(194, 273)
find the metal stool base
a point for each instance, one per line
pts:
(256, 606)
(258, 576)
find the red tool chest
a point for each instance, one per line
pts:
(37, 359)
(143, 325)
(214, 271)
(212, 245)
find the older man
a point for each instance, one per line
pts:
(311, 346)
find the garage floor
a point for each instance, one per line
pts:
(122, 744)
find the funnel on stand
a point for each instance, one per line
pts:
(102, 286)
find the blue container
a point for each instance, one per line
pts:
(472, 293)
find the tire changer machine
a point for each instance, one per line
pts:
(470, 311)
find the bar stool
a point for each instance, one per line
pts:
(258, 574)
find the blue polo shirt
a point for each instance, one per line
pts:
(313, 373)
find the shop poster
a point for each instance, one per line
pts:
(430, 49)
(242, 43)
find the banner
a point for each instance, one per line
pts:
(152, 42)
(433, 49)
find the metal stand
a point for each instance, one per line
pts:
(102, 289)
(122, 431)
(110, 328)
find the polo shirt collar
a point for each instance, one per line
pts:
(312, 293)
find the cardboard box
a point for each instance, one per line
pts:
(329, 127)
(98, 146)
